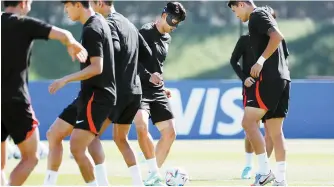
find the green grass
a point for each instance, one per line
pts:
(209, 163)
(193, 53)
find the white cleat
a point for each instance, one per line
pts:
(261, 180)
(282, 183)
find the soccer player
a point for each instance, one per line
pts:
(243, 49)
(271, 96)
(128, 48)
(17, 116)
(83, 118)
(155, 103)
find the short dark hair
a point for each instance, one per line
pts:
(11, 3)
(176, 9)
(107, 2)
(236, 2)
(85, 4)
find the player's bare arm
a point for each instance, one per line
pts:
(275, 39)
(95, 68)
(74, 48)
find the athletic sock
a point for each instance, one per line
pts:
(101, 175)
(152, 165)
(280, 174)
(137, 179)
(249, 158)
(263, 164)
(50, 178)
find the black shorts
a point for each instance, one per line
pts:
(17, 120)
(126, 109)
(271, 95)
(89, 110)
(246, 93)
(157, 105)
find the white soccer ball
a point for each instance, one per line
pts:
(176, 177)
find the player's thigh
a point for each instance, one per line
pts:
(94, 112)
(142, 116)
(80, 140)
(105, 125)
(3, 154)
(59, 130)
(253, 114)
(29, 146)
(161, 110)
(4, 133)
(20, 120)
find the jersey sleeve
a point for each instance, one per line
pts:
(36, 28)
(236, 55)
(145, 52)
(261, 21)
(143, 73)
(93, 42)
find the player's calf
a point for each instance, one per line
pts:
(121, 132)
(80, 139)
(144, 138)
(275, 131)
(58, 131)
(95, 149)
(168, 135)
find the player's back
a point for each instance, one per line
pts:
(126, 60)
(96, 29)
(17, 35)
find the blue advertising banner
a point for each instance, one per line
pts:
(211, 109)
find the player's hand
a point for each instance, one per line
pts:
(256, 70)
(56, 85)
(249, 82)
(77, 51)
(156, 79)
(168, 93)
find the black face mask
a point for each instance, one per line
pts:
(170, 18)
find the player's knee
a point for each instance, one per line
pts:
(54, 137)
(120, 139)
(141, 129)
(245, 123)
(276, 135)
(31, 159)
(169, 133)
(77, 151)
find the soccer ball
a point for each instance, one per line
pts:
(176, 177)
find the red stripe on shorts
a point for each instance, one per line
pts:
(257, 94)
(89, 115)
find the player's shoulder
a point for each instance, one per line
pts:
(9, 17)
(117, 20)
(96, 23)
(260, 12)
(147, 27)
